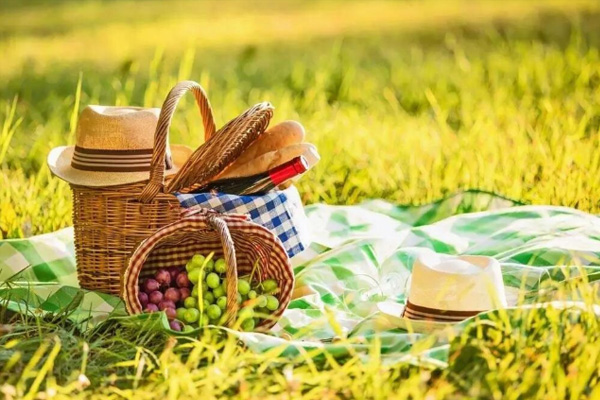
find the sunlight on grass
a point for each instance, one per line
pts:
(44, 36)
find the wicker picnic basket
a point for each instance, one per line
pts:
(243, 244)
(110, 222)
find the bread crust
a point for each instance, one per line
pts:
(272, 159)
(277, 137)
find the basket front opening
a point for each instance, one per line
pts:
(257, 249)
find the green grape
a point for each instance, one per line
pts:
(239, 298)
(179, 313)
(222, 302)
(197, 261)
(191, 315)
(261, 301)
(272, 303)
(205, 304)
(220, 266)
(248, 325)
(209, 297)
(188, 328)
(195, 291)
(213, 311)
(269, 285)
(224, 284)
(219, 291)
(252, 294)
(189, 266)
(194, 275)
(191, 302)
(212, 280)
(209, 266)
(243, 287)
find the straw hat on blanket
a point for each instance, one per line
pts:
(114, 146)
(445, 290)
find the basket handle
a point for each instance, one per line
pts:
(231, 274)
(157, 167)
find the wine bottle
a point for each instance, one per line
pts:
(259, 183)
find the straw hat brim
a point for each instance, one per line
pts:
(59, 162)
(393, 313)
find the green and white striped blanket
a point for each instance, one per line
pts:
(361, 255)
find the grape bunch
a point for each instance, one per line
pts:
(197, 295)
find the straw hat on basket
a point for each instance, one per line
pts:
(445, 290)
(114, 146)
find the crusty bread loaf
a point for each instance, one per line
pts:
(277, 137)
(272, 159)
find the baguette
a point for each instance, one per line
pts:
(272, 159)
(277, 137)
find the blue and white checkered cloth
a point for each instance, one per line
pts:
(279, 211)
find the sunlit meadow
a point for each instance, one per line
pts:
(406, 101)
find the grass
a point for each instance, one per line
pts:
(407, 101)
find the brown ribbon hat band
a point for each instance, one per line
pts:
(414, 311)
(101, 160)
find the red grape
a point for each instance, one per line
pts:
(171, 313)
(163, 277)
(166, 304)
(151, 308)
(182, 280)
(150, 285)
(173, 271)
(143, 298)
(185, 293)
(172, 294)
(155, 297)
(175, 325)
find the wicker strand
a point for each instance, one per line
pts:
(157, 169)
(231, 273)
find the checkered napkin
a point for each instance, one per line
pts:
(279, 211)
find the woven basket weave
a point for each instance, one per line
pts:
(110, 222)
(242, 243)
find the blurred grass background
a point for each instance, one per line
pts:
(408, 101)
